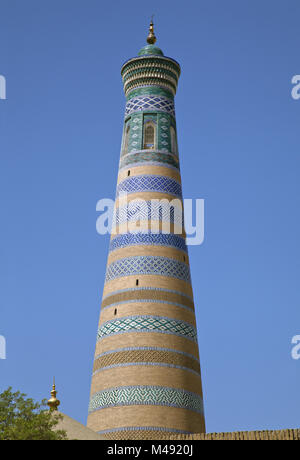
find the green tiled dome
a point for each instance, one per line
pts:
(150, 50)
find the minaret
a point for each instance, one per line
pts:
(146, 378)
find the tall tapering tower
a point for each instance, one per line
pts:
(146, 378)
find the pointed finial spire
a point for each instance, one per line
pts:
(151, 39)
(53, 402)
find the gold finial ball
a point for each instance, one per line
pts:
(53, 402)
(151, 39)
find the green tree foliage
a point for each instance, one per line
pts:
(23, 419)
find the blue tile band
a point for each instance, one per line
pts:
(145, 239)
(148, 265)
(150, 183)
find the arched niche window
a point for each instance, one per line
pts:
(126, 138)
(173, 140)
(149, 135)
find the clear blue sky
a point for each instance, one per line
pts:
(239, 146)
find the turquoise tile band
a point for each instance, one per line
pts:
(146, 395)
(147, 323)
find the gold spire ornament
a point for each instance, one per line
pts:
(151, 39)
(53, 402)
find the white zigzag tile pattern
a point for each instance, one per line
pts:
(148, 265)
(150, 103)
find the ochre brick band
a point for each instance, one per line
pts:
(148, 294)
(147, 375)
(166, 417)
(162, 376)
(146, 308)
(158, 281)
(152, 169)
(152, 339)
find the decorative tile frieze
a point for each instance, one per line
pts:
(150, 103)
(159, 239)
(146, 358)
(150, 163)
(143, 157)
(149, 349)
(146, 395)
(150, 183)
(144, 428)
(149, 70)
(146, 324)
(148, 265)
(164, 140)
(149, 91)
(140, 434)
